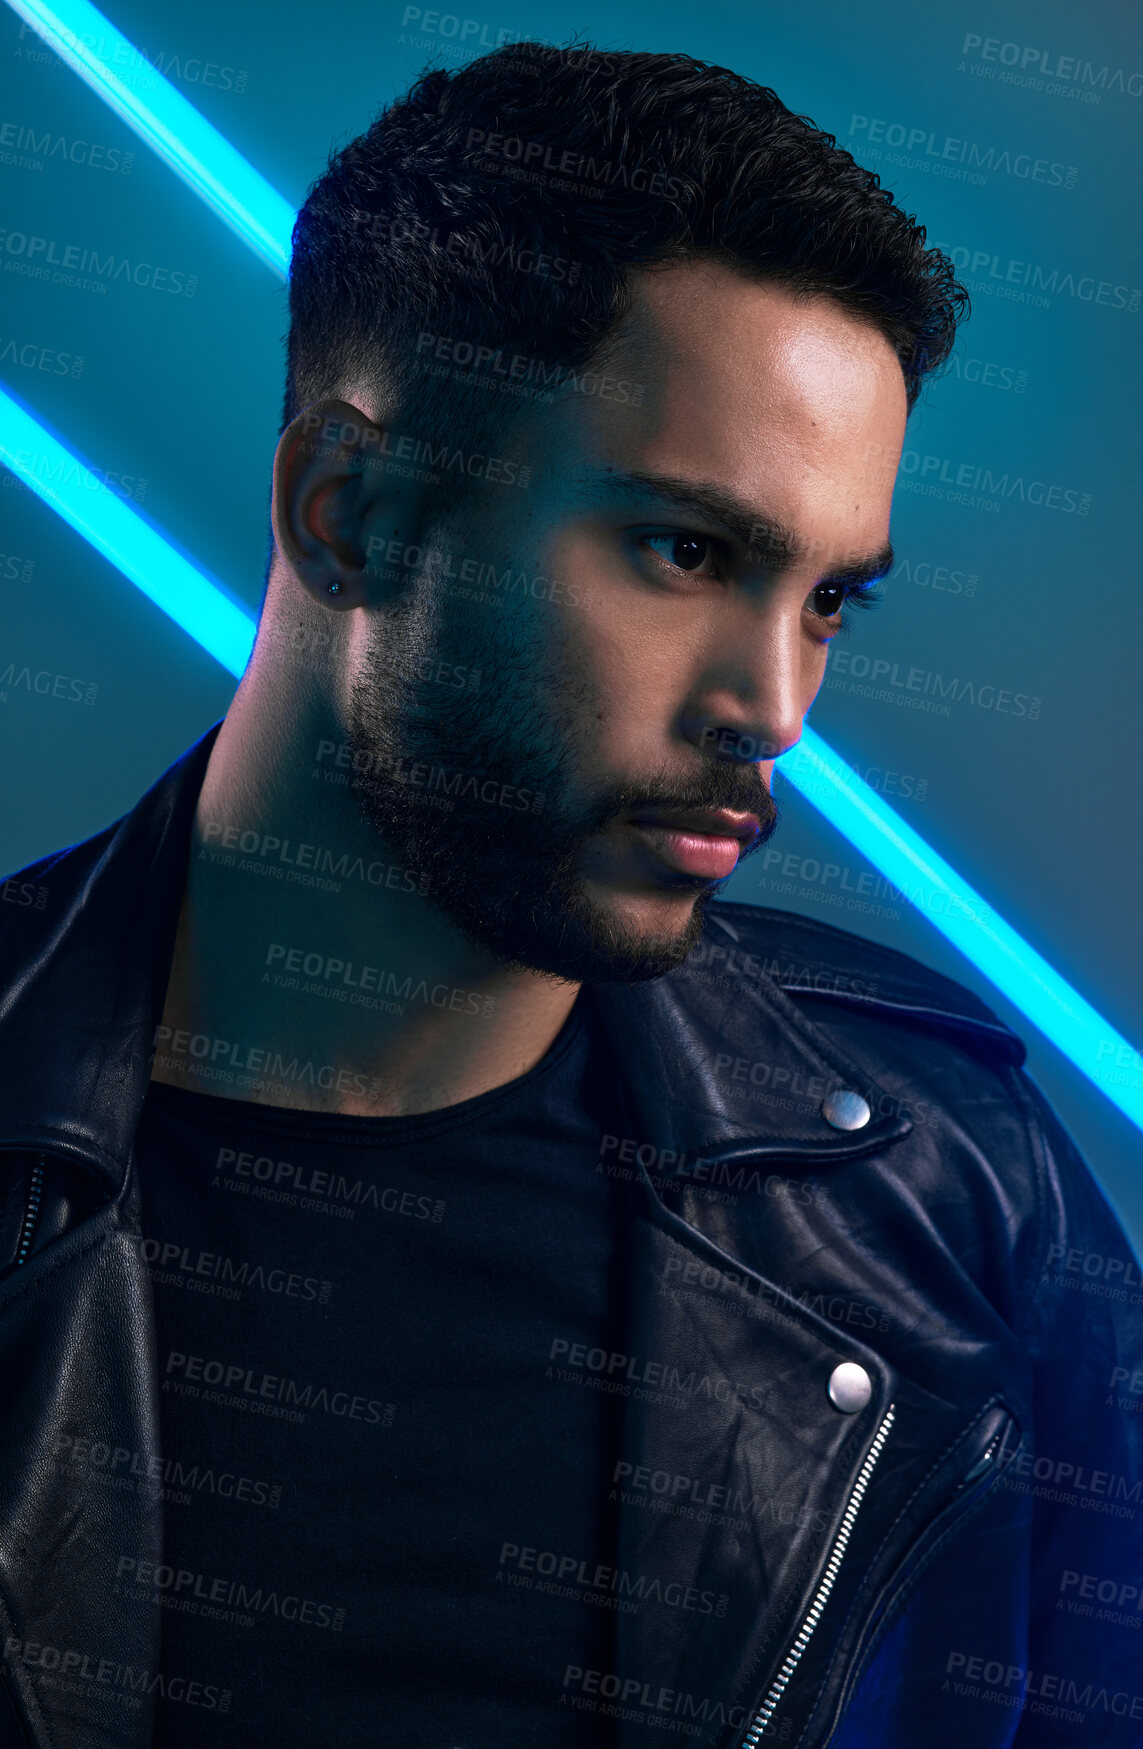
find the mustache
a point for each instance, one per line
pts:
(737, 787)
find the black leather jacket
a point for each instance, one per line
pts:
(955, 1565)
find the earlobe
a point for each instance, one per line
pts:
(323, 486)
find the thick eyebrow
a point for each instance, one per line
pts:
(765, 537)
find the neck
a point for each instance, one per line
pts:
(300, 936)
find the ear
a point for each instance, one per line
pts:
(329, 473)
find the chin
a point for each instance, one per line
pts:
(594, 944)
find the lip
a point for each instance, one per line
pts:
(703, 842)
(707, 822)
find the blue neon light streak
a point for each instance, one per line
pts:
(947, 901)
(195, 601)
(207, 162)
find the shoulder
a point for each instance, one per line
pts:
(825, 968)
(113, 894)
(926, 1048)
(50, 888)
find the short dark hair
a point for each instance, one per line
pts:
(503, 205)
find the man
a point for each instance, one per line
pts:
(464, 1286)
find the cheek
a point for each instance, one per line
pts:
(628, 656)
(815, 662)
(607, 666)
(622, 651)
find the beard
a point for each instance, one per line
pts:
(475, 787)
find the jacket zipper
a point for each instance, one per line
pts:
(31, 1211)
(964, 1498)
(778, 1687)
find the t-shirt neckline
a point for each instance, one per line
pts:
(193, 1105)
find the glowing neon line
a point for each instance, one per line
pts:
(204, 610)
(210, 165)
(195, 601)
(947, 901)
(207, 162)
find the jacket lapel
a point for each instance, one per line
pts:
(697, 1065)
(734, 1475)
(736, 1468)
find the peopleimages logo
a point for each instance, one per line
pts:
(1032, 282)
(475, 250)
(58, 471)
(137, 66)
(1028, 59)
(620, 1371)
(1037, 1690)
(17, 139)
(121, 1682)
(349, 980)
(577, 1574)
(925, 149)
(523, 370)
(47, 684)
(927, 683)
(229, 1593)
(630, 1697)
(543, 156)
(76, 265)
(81, 1455)
(472, 33)
(985, 488)
(290, 858)
(210, 1271)
(987, 373)
(30, 355)
(497, 470)
(239, 1381)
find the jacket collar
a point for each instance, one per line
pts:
(83, 984)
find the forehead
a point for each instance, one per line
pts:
(787, 402)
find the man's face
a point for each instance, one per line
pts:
(649, 622)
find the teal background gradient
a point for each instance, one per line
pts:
(1011, 130)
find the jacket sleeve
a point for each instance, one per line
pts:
(1083, 1462)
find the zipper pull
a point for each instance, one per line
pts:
(982, 1464)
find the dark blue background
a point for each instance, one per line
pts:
(1041, 813)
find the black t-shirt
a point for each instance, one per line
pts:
(386, 1515)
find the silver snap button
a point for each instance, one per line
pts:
(845, 1110)
(850, 1387)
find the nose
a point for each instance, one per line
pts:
(748, 701)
